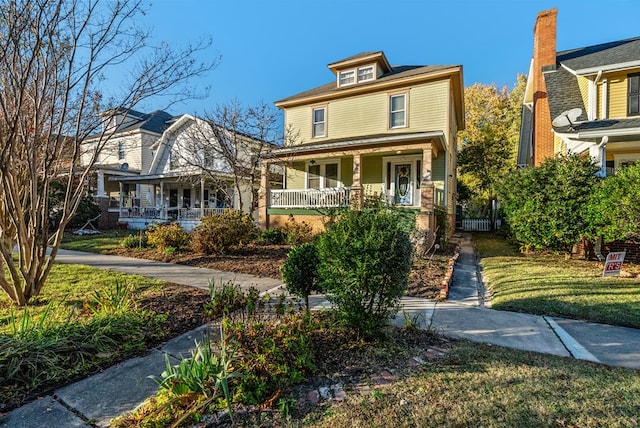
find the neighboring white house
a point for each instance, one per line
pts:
(160, 168)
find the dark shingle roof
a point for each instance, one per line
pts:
(156, 121)
(601, 125)
(563, 93)
(600, 55)
(397, 72)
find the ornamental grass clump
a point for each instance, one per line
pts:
(365, 259)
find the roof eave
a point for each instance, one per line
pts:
(608, 68)
(286, 103)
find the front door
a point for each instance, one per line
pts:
(403, 184)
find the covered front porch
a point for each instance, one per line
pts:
(145, 200)
(408, 171)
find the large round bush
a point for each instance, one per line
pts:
(365, 259)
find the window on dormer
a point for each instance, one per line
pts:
(347, 77)
(365, 73)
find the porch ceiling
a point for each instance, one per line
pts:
(378, 144)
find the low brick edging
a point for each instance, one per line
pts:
(448, 277)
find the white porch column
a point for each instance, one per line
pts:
(201, 197)
(121, 202)
(163, 213)
(100, 183)
(263, 196)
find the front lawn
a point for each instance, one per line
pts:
(87, 319)
(547, 284)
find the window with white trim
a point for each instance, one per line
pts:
(319, 122)
(323, 175)
(122, 150)
(397, 111)
(347, 77)
(365, 73)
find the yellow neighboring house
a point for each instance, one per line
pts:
(375, 131)
(584, 100)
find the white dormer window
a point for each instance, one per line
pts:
(365, 73)
(347, 77)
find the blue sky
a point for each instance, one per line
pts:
(273, 49)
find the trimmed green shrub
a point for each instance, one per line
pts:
(613, 211)
(546, 206)
(168, 235)
(365, 259)
(219, 233)
(300, 271)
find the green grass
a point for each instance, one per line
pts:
(68, 287)
(547, 284)
(483, 386)
(99, 243)
(79, 323)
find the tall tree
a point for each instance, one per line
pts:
(54, 54)
(487, 145)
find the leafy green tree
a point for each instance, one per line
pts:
(614, 209)
(546, 207)
(365, 258)
(488, 142)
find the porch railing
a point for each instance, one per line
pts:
(310, 198)
(165, 214)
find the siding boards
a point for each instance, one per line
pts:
(617, 96)
(368, 114)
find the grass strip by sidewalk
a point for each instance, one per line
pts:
(484, 386)
(547, 284)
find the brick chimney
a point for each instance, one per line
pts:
(544, 55)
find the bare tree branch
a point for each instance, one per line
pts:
(54, 55)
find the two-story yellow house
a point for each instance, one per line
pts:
(375, 131)
(584, 100)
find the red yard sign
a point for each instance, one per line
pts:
(613, 264)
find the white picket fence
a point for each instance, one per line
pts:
(478, 224)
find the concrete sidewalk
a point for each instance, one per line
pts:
(96, 400)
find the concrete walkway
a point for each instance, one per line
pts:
(96, 400)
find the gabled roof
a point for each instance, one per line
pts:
(156, 121)
(606, 56)
(361, 59)
(396, 73)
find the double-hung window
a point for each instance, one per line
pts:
(121, 150)
(347, 77)
(398, 111)
(365, 73)
(633, 102)
(319, 122)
